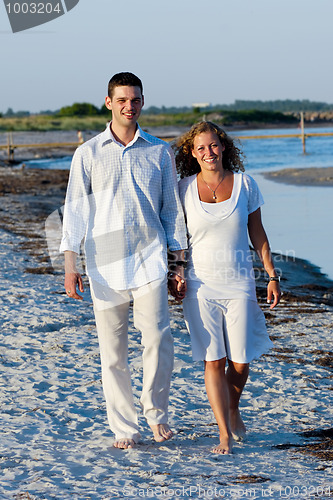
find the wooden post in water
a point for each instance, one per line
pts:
(302, 132)
(10, 149)
(80, 137)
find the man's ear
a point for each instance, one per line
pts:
(143, 101)
(108, 104)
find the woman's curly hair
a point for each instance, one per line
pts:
(233, 157)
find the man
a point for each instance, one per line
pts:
(122, 199)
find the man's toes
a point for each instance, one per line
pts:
(161, 432)
(124, 444)
(167, 433)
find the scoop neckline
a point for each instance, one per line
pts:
(218, 202)
(227, 209)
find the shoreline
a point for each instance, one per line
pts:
(314, 176)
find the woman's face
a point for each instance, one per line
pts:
(208, 150)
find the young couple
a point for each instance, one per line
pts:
(124, 201)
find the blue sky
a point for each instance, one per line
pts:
(185, 51)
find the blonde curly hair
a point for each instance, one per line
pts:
(233, 157)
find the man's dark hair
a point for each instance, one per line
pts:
(122, 80)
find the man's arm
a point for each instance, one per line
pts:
(76, 214)
(72, 276)
(173, 221)
(172, 214)
(176, 279)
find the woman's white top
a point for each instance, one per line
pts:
(219, 258)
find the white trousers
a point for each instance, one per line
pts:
(151, 317)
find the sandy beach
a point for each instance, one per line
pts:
(303, 176)
(55, 442)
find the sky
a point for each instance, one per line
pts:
(185, 52)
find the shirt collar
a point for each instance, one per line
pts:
(108, 137)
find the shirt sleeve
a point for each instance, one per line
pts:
(76, 210)
(255, 198)
(171, 214)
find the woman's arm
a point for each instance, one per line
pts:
(260, 243)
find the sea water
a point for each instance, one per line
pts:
(261, 154)
(297, 219)
(274, 154)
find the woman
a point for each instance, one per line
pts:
(222, 208)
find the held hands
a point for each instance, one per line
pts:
(177, 284)
(71, 281)
(273, 293)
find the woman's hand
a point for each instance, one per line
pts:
(273, 293)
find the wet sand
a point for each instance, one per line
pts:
(302, 176)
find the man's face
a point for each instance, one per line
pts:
(126, 105)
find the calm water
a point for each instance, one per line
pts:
(298, 219)
(261, 154)
(273, 154)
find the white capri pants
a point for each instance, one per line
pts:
(151, 317)
(232, 328)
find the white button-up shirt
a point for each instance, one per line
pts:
(123, 201)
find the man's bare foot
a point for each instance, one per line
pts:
(238, 429)
(161, 432)
(224, 447)
(124, 443)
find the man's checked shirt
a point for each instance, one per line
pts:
(123, 201)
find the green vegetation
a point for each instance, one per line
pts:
(255, 115)
(286, 105)
(79, 109)
(282, 106)
(47, 122)
(86, 116)
(97, 122)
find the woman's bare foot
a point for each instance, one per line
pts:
(124, 443)
(238, 429)
(224, 447)
(162, 432)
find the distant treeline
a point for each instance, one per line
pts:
(281, 106)
(255, 114)
(185, 117)
(76, 109)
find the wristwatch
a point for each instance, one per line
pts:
(274, 278)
